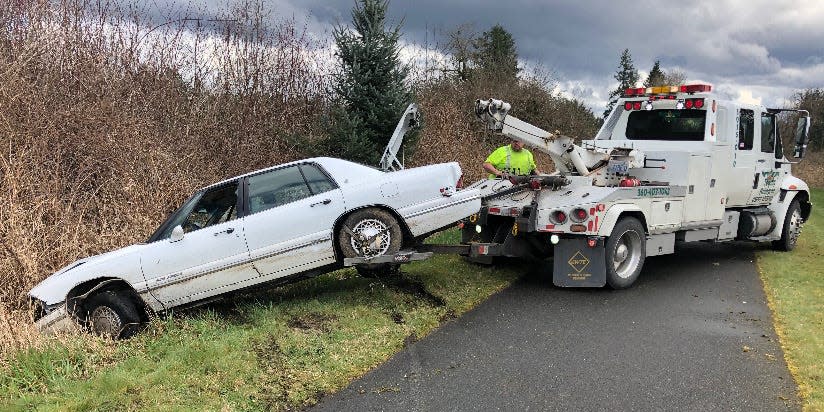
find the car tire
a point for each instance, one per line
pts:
(113, 315)
(791, 228)
(380, 235)
(625, 253)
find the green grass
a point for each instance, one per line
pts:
(274, 350)
(794, 283)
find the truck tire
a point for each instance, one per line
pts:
(791, 228)
(112, 315)
(625, 253)
(376, 233)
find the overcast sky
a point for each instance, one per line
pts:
(752, 50)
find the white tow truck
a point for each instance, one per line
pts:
(670, 164)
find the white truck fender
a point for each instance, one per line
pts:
(612, 215)
(790, 187)
(793, 183)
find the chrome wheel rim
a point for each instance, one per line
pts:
(372, 238)
(795, 227)
(627, 254)
(105, 321)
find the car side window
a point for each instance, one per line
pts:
(767, 133)
(216, 206)
(746, 122)
(318, 181)
(276, 188)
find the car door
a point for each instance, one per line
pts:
(209, 259)
(290, 218)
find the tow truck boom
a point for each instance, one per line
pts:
(566, 155)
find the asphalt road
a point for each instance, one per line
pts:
(694, 333)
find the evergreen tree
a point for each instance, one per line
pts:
(656, 76)
(370, 87)
(496, 56)
(627, 77)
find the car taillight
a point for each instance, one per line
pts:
(699, 103)
(459, 183)
(535, 184)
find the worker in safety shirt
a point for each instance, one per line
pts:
(510, 160)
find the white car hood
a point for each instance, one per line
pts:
(123, 263)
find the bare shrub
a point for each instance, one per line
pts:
(452, 133)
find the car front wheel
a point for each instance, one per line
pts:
(369, 233)
(112, 315)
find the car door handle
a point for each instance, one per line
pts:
(761, 161)
(227, 231)
(325, 202)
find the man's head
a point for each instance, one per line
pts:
(517, 145)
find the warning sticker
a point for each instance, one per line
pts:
(578, 261)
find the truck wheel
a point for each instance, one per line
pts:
(625, 253)
(791, 228)
(370, 233)
(112, 315)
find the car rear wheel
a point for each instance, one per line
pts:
(369, 233)
(625, 253)
(112, 315)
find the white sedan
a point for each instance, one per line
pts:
(272, 225)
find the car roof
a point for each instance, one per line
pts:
(343, 171)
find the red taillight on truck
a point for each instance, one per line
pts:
(579, 215)
(459, 183)
(558, 217)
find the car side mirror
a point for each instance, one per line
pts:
(802, 136)
(177, 234)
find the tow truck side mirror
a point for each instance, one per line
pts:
(802, 136)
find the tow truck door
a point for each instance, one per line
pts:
(743, 182)
(766, 175)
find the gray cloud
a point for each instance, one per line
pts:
(769, 47)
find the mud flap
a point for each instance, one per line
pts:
(579, 265)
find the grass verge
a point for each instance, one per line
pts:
(794, 283)
(276, 350)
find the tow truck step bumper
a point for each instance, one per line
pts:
(397, 258)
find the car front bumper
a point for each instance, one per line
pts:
(56, 321)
